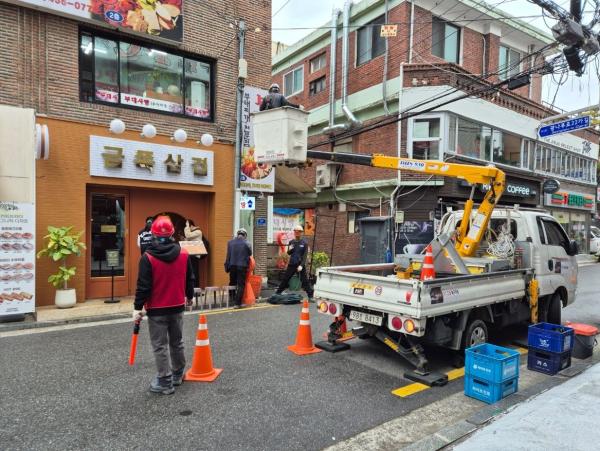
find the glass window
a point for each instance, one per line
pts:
(469, 139)
(509, 63)
(318, 62)
(151, 78)
(452, 133)
(426, 139)
(316, 86)
(197, 88)
(510, 151)
(354, 220)
(86, 68)
(370, 44)
(555, 234)
(445, 40)
(106, 70)
(293, 82)
(121, 72)
(528, 154)
(541, 231)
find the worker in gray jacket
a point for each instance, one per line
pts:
(236, 264)
(274, 99)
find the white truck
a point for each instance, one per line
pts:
(455, 310)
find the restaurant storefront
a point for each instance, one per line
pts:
(107, 187)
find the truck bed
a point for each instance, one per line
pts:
(375, 287)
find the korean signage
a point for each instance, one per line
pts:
(253, 176)
(149, 17)
(110, 157)
(284, 221)
(389, 31)
(564, 126)
(17, 259)
(570, 199)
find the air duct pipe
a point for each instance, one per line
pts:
(331, 128)
(345, 65)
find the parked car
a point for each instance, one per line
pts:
(594, 240)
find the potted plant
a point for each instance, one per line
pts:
(61, 243)
(319, 260)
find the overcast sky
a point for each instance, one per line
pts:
(575, 92)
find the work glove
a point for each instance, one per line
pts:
(299, 268)
(137, 315)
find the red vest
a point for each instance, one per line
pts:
(168, 282)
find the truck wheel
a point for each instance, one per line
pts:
(553, 315)
(475, 333)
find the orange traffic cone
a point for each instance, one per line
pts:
(202, 367)
(249, 298)
(304, 343)
(428, 269)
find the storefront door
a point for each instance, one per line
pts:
(107, 233)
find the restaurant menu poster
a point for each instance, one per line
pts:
(17, 258)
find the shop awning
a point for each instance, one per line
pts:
(288, 181)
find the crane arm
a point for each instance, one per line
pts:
(469, 234)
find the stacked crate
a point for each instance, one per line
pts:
(550, 347)
(491, 372)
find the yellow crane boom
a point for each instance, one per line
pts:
(470, 233)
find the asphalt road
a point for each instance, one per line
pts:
(73, 389)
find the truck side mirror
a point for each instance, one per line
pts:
(573, 248)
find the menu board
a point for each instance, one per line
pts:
(17, 259)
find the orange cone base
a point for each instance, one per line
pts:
(345, 336)
(208, 377)
(302, 351)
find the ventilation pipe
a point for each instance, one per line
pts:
(331, 128)
(345, 65)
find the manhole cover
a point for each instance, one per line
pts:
(185, 413)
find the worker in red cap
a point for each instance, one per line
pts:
(165, 281)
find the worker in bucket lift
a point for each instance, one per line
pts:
(274, 99)
(298, 251)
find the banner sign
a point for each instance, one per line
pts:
(253, 176)
(413, 236)
(17, 260)
(162, 19)
(284, 221)
(111, 157)
(570, 199)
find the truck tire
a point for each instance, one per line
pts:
(553, 314)
(475, 333)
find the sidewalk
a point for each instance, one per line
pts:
(564, 417)
(586, 259)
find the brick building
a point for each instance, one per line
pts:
(440, 51)
(80, 65)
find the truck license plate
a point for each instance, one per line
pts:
(366, 318)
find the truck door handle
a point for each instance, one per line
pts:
(551, 265)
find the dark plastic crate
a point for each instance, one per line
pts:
(550, 337)
(548, 362)
(489, 392)
(492, 363)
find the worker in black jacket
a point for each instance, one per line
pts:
(298, 251)
(274, 99)
(236, 264)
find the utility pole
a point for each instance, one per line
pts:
(242, 74)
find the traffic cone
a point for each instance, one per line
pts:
(428, 269)
(202, 367)
(304, 343)
(249, 298)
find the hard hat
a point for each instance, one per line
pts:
(162, 227)
(242, 231)
(298, 228)
(274, 86)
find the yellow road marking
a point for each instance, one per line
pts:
(411, 389)
(231, 310)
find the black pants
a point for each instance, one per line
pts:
(237, 278)
(289, 273)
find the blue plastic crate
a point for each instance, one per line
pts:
(492, 363)
(487, 391)
(548, 362)
(550, 337)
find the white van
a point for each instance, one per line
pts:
(541, 244)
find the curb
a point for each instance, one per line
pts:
(25, 325)
(451, 434)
